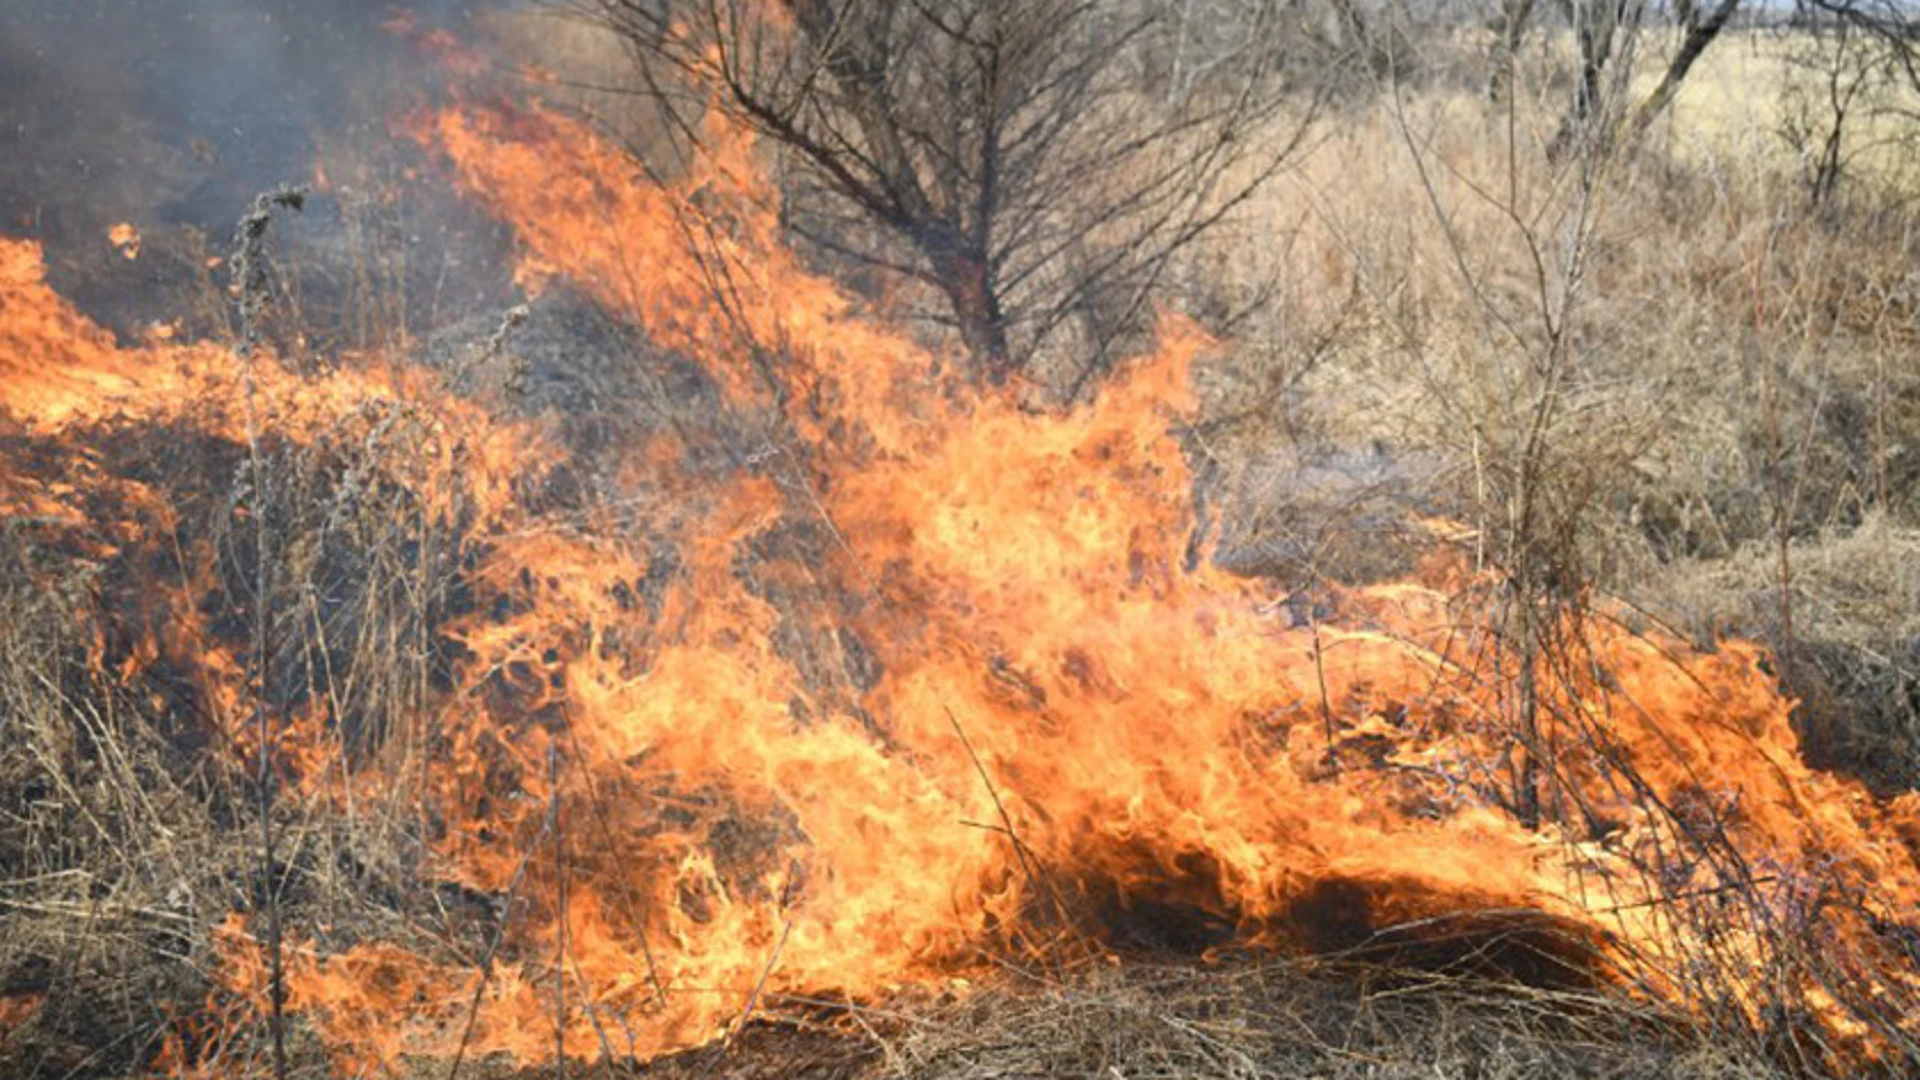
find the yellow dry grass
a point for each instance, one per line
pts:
(1740, 101)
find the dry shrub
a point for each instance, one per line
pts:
(1855, 651)
(114, 857)
(130, 830)
(1731, 369)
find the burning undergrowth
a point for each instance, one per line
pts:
(841, 678)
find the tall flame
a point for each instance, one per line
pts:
(1039, 657)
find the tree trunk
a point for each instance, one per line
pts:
(962, 279)
(1596, 25)
(1700, 34)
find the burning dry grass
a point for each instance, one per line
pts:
(837, 689)
(1853, 648)
(107, 844)
(1333, 1018)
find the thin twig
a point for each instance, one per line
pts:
(753, 999)
(251, 294)
(1029, 864)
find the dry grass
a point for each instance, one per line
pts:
(115, 852)
(1738, 376)
(1228, 1019)
(129, 829)
(1326, 1019)
(1855, 652)
(1734, 369)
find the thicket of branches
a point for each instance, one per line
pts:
(1022, 160)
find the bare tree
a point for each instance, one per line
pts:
(1606, 34)
(1893, 24)
(1509, 25)
(1863, 57)
(1002, 153)
(1816, 116)
(1700, 27)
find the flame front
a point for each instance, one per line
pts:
(932, 678)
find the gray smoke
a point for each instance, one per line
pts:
(243, 86)
(174, 114)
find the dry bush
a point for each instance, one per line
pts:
(1669, 380)
(1855, 655)
(131, 823)
(1007, 158)
(1720, 363)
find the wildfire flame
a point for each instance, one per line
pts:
(933, 679)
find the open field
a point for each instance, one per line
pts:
(1754, 95)
(572, 591)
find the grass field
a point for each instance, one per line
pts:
(688, 670)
